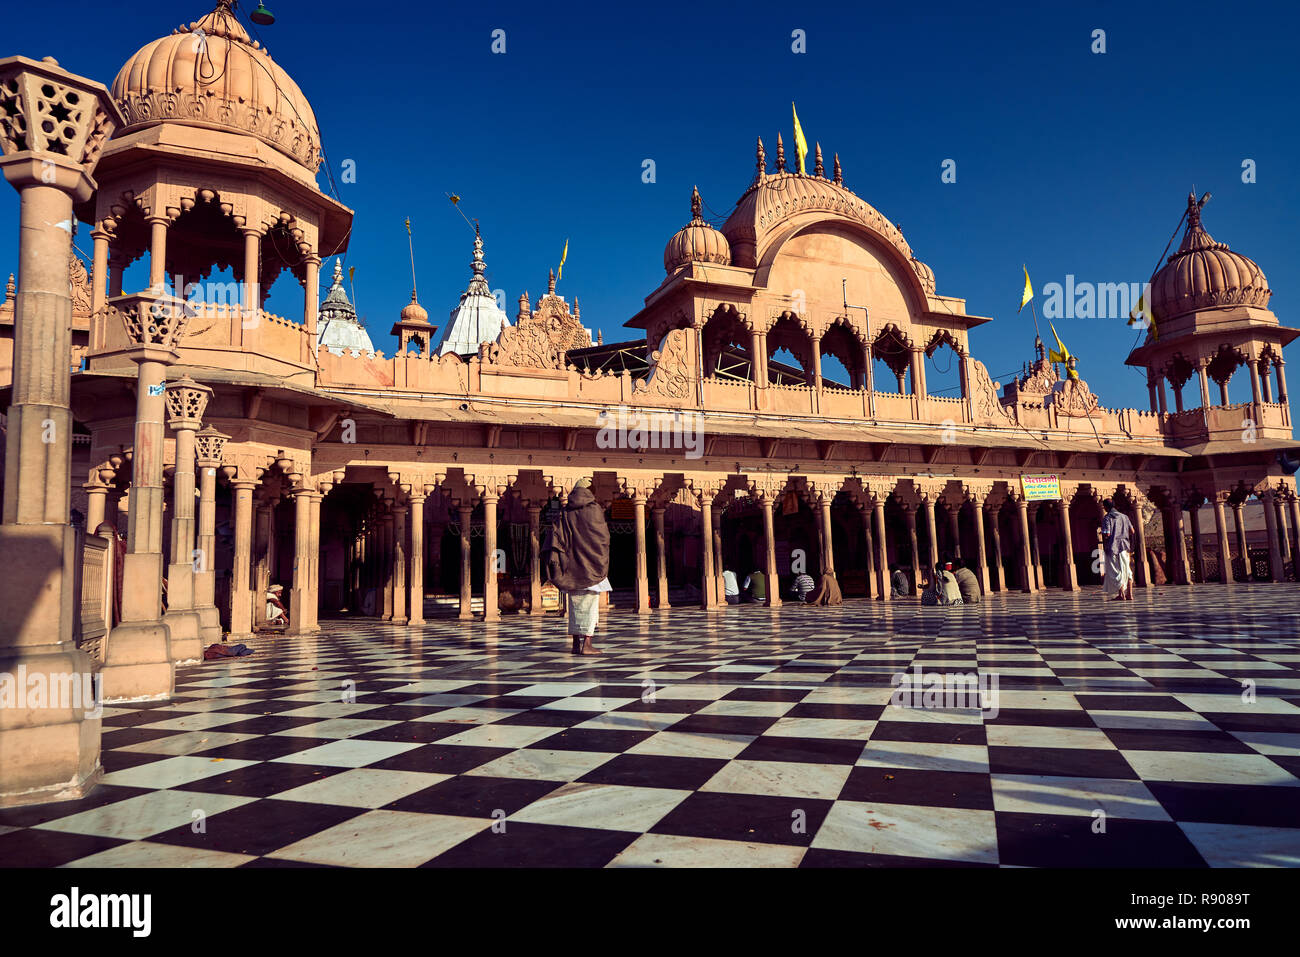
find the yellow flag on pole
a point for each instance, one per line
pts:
(1141, 316)
(1029, 290)
(800, 144)
(563, 256)
(1061, 354)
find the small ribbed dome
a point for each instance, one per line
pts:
(925, 274)
(212, 73)
(697, 241)
(1204, 274)
(414, 312)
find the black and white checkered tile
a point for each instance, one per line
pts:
(1163, 732)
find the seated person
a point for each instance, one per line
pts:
(803, 584)
(901, 585)
(827, 593)
(756, 586)
(949, 591)
(730, 587)
(968, 584)
(276, 613)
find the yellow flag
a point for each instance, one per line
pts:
(563, 256)
(352, 271)
(1029, 290)
(1061, 354)
(1141, 316)
(800, 144)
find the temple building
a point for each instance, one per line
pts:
(477, 318)
(340, 331)
(405, 485)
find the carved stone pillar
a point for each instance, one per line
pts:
(1221, 531)
(828, 542)
(1198, 549)
(1274, 546)
(300, 589)
(47, 752)
(491, 609)
(534, 559)
(709, 584)
(186, 402)
(251, 297)
(209, 444)
(416, 614)
(311, 606)
(769, 544)
(661, 555)
(241, 590)
(399, 588)
(465, 512)
(311, 297)
(1141, 570)
(138, 663)
(1177, 545)
(864, 513)
(1035, 552)
(995, 559)
(884, 587)
(1242, 548)
(642, 560)
(158, 253)
(954, 513)
(909, 512)
(931, 527)
(981, 556)
(719, 583)
(1294, 505)
(1070, 572)
(1026, 560)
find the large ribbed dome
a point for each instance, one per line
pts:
(697, 241)
(774, 198)
(1204, 274)
(212, 73)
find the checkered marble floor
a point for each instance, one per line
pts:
(1126, 735)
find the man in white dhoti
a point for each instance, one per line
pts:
(1116, 543)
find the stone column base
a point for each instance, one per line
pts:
(209, 625)
(138, 665)
(184, 642)
(49, 744)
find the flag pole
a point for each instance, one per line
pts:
(410, 244)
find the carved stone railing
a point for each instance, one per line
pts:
(96, 595)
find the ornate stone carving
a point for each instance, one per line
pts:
(670, 373)
(1072, 397)
(540, 339)
(985, 403)
(209, 444)
(79, 282)
(187, 400)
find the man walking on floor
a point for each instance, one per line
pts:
(577, 556)
(1117, 542)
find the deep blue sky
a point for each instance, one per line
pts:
(1070, 161)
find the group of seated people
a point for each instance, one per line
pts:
(949, 583)
(803, 588)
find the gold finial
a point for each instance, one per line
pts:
(839, 173)
(780, 154)
(818, 168)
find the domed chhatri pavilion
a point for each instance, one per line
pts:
(226, 449)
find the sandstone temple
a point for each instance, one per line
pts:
(199, 452)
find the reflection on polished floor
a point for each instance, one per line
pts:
(1165, 732)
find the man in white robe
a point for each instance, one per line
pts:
(1117, 543)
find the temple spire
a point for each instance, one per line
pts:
(550, 284)
(780, 154)
(818, 168)
(696, 203)
(839, 173)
